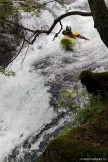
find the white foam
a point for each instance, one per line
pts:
(24, 100)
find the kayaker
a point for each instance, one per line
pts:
(68, 33)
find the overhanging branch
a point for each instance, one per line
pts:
(56, 35)
(66, 15)
(36, 33)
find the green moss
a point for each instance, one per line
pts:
(67, 43)
(101, 123)
(67, 148)
(6, 8)
(89, 140)
(89, 111)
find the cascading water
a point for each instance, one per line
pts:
(27, 119)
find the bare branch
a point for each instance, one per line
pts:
(66, 15)
(24, 56)
(36, 33)
(20, 49)
(56, 35)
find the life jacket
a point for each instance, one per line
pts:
(75, 34)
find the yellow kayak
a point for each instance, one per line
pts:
(67, 42)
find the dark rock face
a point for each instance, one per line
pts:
(10, 38)
(100, 16)
(8, 44)
(103, 35)
(96, 83)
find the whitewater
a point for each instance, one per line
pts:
(25, 98)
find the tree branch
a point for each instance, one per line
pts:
(38, 32)
(56, 35)
(66, 15)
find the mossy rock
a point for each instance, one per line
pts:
(96, 83)
(66, 149)
(101, 123)
(67, 43)
(78, 144)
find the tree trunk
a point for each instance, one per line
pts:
(100, 16)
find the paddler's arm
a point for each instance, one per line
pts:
(82, 37)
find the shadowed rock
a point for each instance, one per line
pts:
(96, 83)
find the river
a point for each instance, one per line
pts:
(29, 114)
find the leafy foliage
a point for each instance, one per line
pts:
(68, 96)
(90, 107)
(32, 5)
(7, 72)
(6, 8)
(90, 110)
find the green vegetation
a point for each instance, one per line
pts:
(7, 72)
(32, 5)
(7, 8)
(70, 147)
(92, 105)
(68, 96)
(90, 110)
(87, 138)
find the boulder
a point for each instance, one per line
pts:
(96, 83)
(88, 142)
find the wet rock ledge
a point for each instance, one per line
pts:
(89, 140)
(8, 45)
(10, 39)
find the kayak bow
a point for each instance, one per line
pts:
(67, 42)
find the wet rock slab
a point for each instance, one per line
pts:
(8, 45)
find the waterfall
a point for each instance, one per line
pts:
(29, 114)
